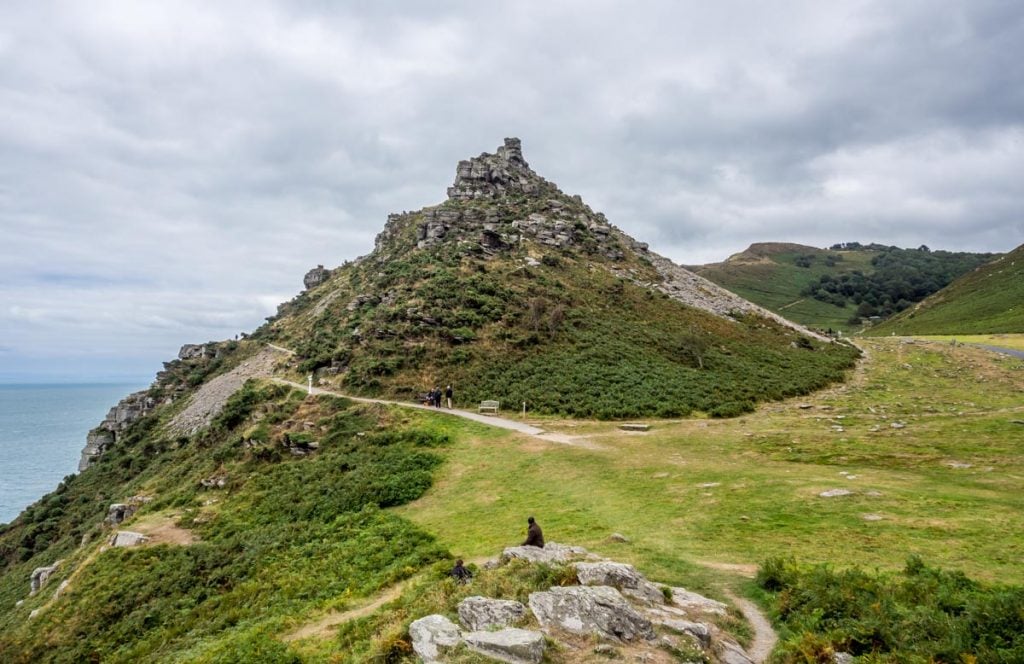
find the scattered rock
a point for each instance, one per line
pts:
(873, 494)
(835, 493)
(804, 406)
(34, 613)
(659, 476)
(621, 576)
(481, 613)
(432, 636)
(635, 427)
(842, 658)
(118, 512)
(958, 464)
(124, 538)
(619, 537)
(606, 649)
(1016, 421)
(61, 588)
(709, 485)
(515, 646)
(590, 609)
(872, 517)
(898, 425)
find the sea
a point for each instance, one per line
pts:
(42, 432)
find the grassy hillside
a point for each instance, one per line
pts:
(231, 564)
(989, 300)
(838, 287)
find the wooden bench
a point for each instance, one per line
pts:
(489, 407)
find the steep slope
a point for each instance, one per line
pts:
(988, 300)
(840, 287)
(515, 291)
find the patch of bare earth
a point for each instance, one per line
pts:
(162, 529)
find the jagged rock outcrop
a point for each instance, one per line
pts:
(482, 613)
(316, 276)
(589, 610)
(40, 576)
(432, 636)
(127, 411)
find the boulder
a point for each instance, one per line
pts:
(699, 632)
(515, 646)
(118, 512)
(732, 653)
(480, 613)
(622, 576)
(551, 553)
(691, 601)
(315, 277)
(127, 538)
(433, 635)
(40, 575)
(588, 610)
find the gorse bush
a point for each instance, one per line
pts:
(920, 615)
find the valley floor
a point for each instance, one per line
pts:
(922, 452)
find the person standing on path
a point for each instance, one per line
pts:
(449, 393)
(534, 536)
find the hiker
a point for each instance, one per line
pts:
(448, 394)
(437, 397)
(534, 537)
(460, 573)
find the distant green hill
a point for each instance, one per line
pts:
(839, 287)
(988, 300)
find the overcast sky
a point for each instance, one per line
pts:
(170, 170)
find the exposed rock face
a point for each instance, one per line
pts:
(40, 575)
(515, 646)
(432, 636)
(197, 351)
(732, 653)
(127, 538)
(316, 276)
(494, 175)
(127, 411)
(551, 553)
(588, 610)
(118, 512)
(699, 632)
(621, 576)
(482, 613)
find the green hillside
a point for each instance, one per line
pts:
(524, 294)
(989, 300)
(841, 287)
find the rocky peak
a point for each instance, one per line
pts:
(495, 175)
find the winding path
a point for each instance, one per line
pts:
(765, 637)
(999, 349)
(490, 420)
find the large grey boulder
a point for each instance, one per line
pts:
(480, 613)
(432, 636)
(551, 553)
(732, 653)
(515, 646)
(588, 610)
(699, 632)
(691, 601)
(127, 538)
(622, 576)
(40, 575)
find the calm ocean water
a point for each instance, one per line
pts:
(42, 431)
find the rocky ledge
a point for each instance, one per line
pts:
(613, 611)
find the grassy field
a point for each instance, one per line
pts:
(1011, 341)
(926, 436)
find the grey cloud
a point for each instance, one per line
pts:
(172, 169)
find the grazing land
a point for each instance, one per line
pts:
(931, 468)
